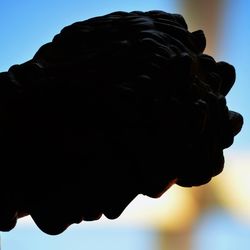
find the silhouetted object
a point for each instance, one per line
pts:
(115, 106)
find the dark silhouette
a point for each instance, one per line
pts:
(115, 106)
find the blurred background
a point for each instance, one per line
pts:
(214, 216)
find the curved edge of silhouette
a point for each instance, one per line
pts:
(115, 106)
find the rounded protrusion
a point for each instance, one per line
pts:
(199, 40)
(228, 75)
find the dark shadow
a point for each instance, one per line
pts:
(115, 106)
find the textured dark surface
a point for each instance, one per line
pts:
(114, 106)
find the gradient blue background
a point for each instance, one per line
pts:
(25, 25)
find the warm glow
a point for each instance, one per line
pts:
(178, 208)
(174, 210)
(233, 186)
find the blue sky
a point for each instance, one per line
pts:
(234, 47)
(25, 25)
(30, 238)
